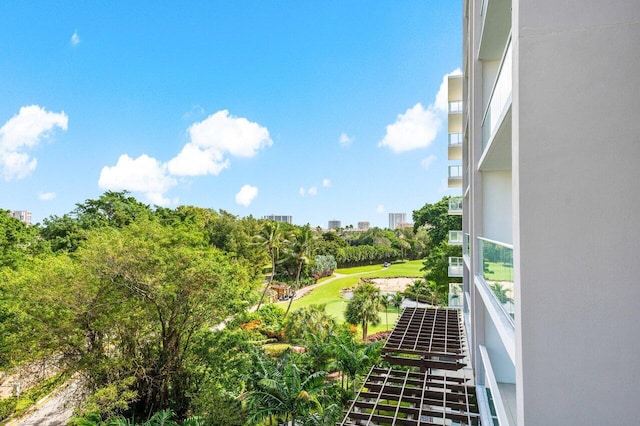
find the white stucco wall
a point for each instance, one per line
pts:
(576, 148)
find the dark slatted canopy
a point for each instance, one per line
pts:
(427, 338)
(429, 388)
(395, 397)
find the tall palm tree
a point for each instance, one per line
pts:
(302, 250)
(364, 307)
(273, 238)
(397, 300)
(385, 301)
(351, 357)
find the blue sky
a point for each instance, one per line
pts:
(319, 110)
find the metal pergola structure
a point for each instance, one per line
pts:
(427, 338)
(427, 386)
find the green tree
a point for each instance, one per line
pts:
(353, 358)
(272, 237)
(364, 307)
(436, 271)
(397, 300)
(129, 303)
(302, 250)
(284, 392)
(437, 220)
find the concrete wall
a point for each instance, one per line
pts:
(497, 206)
(576, 149)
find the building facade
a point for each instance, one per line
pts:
(395, 219)
(279, 218)
(22, 216)
(334, 224)
(363, 226)
(550, 138)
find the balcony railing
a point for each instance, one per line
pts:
(455, 172)
(455, 295)
(466, 245)
(455, 238)
(455, 267)
(455, 139)
(497, 271)
(455, 106)
(455, 205)
(499, 98)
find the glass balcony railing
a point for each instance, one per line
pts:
(497, 271)
(455, 267)
(455, 238)
(455, 172)
(455, 205)
(455, 139)
(499, 97)
(455, 106)
(455, 295)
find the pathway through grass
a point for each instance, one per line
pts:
(329, 294)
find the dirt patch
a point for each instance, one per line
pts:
(393, 285)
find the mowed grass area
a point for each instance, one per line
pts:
(329, 294)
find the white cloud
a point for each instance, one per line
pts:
(213, 138)
(419, 126)
(46, 196)
(302, 191)
(312, 191)
(195, 112)
(326, 183)
(441, 102)
(23, 132)
(75, 38)
(427, 162)
(380, 209)
(416, 128)
(144, 174)
(346, 140)
(246, 195)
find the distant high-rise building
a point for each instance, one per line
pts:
(335, 224)
(396, 219)
(363, 226)
(22, 216)
(279, 218)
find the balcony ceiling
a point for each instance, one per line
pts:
(495, 29)
(497, 155)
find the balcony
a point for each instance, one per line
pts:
(455, 146)
(455, 267)
(497, 271)
(455, 107)
(455, 238)
(455, 206)
(455, 296)
(496, 24)
(500, 99)
(466, 245)
(455, 176)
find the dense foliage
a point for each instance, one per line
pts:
(148, 306)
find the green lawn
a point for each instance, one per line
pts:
(329, 294)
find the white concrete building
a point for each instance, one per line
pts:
(279, 218)
(22, 215)
(550, 144)
(396, 219)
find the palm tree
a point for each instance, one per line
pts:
(397, 300)
(302, 250)
(273, 238)
(364, 306)
(351, 357)
(284, 392)
(385, 301)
